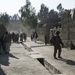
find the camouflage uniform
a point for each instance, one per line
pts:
(57, 42)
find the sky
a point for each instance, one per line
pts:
(12, 6)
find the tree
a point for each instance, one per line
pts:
(43, 14)
(4, 18)
(28, 16)
(15, 17)
(54, 16)
(60, 8)
(46, 16)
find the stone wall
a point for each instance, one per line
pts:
(41, 33)
(68, 28)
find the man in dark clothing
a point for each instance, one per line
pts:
(21, 37)
(57, 42)
(6, 43)
(45, 39)
(25, 36)
(35, 36)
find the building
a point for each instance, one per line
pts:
(68, 27)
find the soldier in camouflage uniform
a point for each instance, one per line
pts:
(57, 42)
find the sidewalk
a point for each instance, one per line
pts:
(18, 62)
(64, 66)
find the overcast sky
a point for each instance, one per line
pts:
(12, 6)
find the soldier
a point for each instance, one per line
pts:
(6, 44)
(21, 37)
(25, 36)
(13, 36)
(17, 37)
(45, 39)
(35, 36)
(57, 42)
(31, 37)
(9, 38)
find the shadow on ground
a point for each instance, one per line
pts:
(39, 46)
(68, 61)
(2, 72)
(4, 59)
